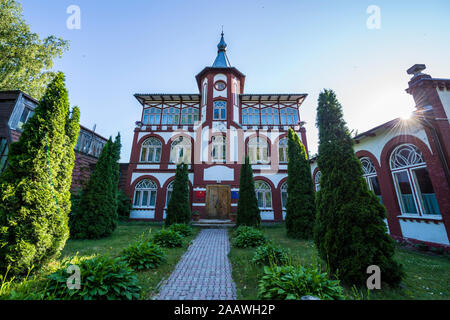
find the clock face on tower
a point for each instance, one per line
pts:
(220, 85)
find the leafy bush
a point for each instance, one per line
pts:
(294, 282)
(179, 207)
(182, 229)
(144, 254)
(168, 238)
(247, 210)
(123, 206)
(269, 254)
(248, 237)
(102, 278)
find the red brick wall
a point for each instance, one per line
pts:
(84, 165)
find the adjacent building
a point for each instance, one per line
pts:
(405, 163)
(212, 131)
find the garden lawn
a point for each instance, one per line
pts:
(125, 234)
(427, 276)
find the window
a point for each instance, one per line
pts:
(289, 116)
(269, 116)
(250, 116)
(3, 153)
(205, 93)
(220, 85)
(263, 195)
(283, 150)
(370, 175)
(219, 148)
(151, 150)
(258, 150)
(317, 180)
(26, 115)
(220, 110)
(169, 193)
(189, 115)
(145, 194)
(284, 195)
(171, 115)
(152, 116)
(413, 185)
(181, 151)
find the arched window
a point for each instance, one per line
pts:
(250, 116)
(413, 185)
(258, 150)
(169, 193)
(219, 148)
(151, 150)
(269, 116)
(370, 175)
(189, 115)
(289, 116)
(145, 194)
(283, 150)
(181, 151)
(284, 195)
(220, 110)
(317, 180)
(171, 115)
(263, 195)
(152, 116)
(205, 92)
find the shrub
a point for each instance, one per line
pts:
(168, 238)
(294, 282)
(269, 254)
(144, 254)
(248, 237)
(247, 211)
(350, 233)
(179, 207)
(182, 229)
(422, 246)
(102, 278)
(123, 206)
(34, 187)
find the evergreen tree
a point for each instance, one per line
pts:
(96, 216)
(247, 211)
(350, 233)
(34, 188)
(300, 208)
(179, 208)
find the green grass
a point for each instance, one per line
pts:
(125, 234)
(427, 276)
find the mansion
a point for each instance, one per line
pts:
(212, 131)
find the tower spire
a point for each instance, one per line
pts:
(222, 59)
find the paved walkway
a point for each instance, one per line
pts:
(204, 271)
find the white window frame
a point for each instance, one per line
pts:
(219, 148)
(369, 171)
(258, 148)
(252, 112)
(283, 149)
(154, 144)
(169, 195)
(290, 114)
(263, 190)
(152, 116)
(146, 185)
(181, 150)
(220, 105)
(189, 113)
(284, 189)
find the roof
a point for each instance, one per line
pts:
(167, 97)
(92, 132)
(222, 59)
(371, 132)
(12, 94)
(274, 97)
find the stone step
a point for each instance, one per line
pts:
(213, 223)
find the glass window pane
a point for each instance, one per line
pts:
(144, 198)
(405, 192)
(158, 155)
(150, 154)
(137, 198)
(144, 154)
(426, 192)
(152, 198)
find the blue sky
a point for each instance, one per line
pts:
(125, 47)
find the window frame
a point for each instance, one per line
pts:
(283, 149)
(154, 147)
(263, 192)
(221, 148)
(259, 150)
(221, 109)
(187, 149)
(140, 190)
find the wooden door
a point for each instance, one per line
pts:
(218, 201)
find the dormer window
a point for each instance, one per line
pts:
(220, 110)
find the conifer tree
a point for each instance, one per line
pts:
(179, 208)
(34, 188)
(96, 215)
(247, 211)
(350, 233)
(300, 207)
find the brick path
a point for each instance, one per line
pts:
(204, 271)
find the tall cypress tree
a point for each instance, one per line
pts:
(34, 188)
(96, 216)
(247, 211)
(300, 208)
(179, 208)
(350, 233)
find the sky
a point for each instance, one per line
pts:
(301, 46)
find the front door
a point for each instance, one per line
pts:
(218, 201)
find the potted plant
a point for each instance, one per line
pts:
(195, 215)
